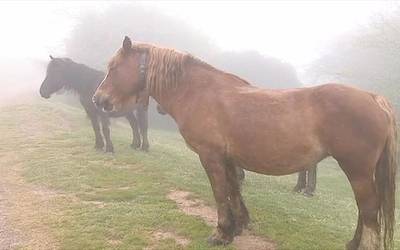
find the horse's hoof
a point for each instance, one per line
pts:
(241, 224)
(297, 189)
(308, 194)
(135, 145)
(215, 241)
(109, 149)
(238, 230)
(351, 245)
(145, 146)
(218, 239)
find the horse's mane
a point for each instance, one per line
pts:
(81, 76)
(165, 66)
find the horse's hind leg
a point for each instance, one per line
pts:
(135, 132)
(105, 125)
(355, 242)
(216, 172)
(367, 235)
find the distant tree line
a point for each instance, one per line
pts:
(96, 36)
(368, 57)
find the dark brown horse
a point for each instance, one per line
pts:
(274, 132)
(306, 182)
(63, 73)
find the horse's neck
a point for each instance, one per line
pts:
(198, 79)
(84, 80)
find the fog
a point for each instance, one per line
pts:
(271, 44)
(73, 177)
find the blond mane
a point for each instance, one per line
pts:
(165, 67)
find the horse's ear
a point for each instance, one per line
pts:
(51, 57)
(127, 44)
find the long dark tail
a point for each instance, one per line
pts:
(385, 177)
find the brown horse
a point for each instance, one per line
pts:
(306, 180)
(280, 132)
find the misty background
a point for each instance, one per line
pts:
(270, 44)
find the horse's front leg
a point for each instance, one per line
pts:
(216, 172)
(105, 124)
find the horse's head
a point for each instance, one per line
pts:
(125, 79)
(56, 75)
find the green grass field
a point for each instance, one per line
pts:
(105, 201)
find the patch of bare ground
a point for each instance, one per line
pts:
(22, 210)
(164, 235)
(196, 207)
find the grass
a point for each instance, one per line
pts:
(120, 200)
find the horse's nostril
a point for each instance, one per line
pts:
(94, 99)
(107, 106)
(102, 103)
(98, 101)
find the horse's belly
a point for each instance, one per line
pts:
(283, 160)
(289, 166)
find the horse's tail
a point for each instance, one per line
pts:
(385, 176)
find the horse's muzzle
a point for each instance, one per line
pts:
(44, 95)
(102, 103)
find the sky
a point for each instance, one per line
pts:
(293, 31)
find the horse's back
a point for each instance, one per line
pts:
(297, 128)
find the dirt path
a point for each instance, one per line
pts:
(22, 210)
(196, 207)
(9, 237)
(24, 207)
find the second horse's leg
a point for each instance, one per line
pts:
(99, 143)
(301, 181)
(135, 132)
(311, 181)
(105, 125)
(143, 125)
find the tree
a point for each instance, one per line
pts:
(96, 36)
(368, 57)
(267, 72)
